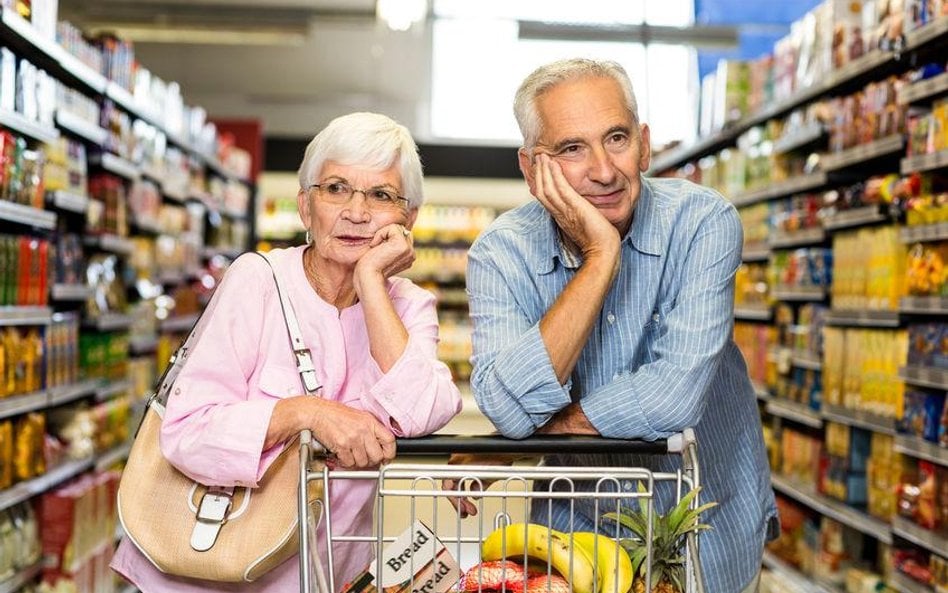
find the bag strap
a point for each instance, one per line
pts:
(304, 358)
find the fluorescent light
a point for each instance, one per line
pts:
(203, 36)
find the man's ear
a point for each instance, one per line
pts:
(526, 167)
(645, 148)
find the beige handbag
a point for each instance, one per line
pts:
(213, 533)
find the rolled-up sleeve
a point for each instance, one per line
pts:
(211, 431)
(417, 393)
(668, 393)
(514, 382)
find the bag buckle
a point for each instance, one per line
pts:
(211, 516)
(304, 363)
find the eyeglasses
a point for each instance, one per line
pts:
(377, 199)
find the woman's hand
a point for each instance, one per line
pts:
(390, 252)
(356, 438)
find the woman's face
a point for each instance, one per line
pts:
(342, 228)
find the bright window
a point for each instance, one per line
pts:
(478, 60)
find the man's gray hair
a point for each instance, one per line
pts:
(547, 76)
(368, 140)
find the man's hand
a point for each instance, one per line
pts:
(569, 420)
(579, 220)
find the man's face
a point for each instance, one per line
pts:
(587, 129)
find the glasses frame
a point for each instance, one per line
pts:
(401, 201)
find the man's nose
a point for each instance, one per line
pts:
(601, 168)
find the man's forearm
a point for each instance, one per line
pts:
(566, 326)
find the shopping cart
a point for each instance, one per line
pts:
(413, 491)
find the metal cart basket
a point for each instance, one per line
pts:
(508, 494)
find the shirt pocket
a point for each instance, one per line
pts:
(279, 381)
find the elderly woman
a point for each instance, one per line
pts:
(373, 337)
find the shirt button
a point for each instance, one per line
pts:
(611, 318)
(627, 485)
(656, 317)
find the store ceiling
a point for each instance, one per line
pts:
(294, 64)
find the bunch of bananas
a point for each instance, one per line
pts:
(599, 564)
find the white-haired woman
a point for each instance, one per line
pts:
(373, 337)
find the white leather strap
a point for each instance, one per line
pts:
(304, 358)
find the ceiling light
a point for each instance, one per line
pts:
(203, 36)
(400, 15)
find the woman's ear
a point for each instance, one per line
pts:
(302, 206)
(410, 218)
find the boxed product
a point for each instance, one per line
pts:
(415, 561)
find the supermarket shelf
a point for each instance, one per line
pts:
(126, 101)
(67, 393)
(753, 313)
(66, 200)
(793, 577)
(116, 165)
(859, 419)
(233, 252)
(863, 153)
(180, 323)
(925, 376)
(70, 292)
(20, 404)
(30, 488)
(800, 137)
(21, 578)
(755, 252)
(780, 189)
(109, 322)
(925, 538)
(862, 318)
(760, 391)
(906, 584)
(782, 239)
(25, 316)
(853, 74)
(924, 162)
(28, 215)
(149, 226)
(113, 456)
(856, 217)
(924, 305)
(924, 35)
(138, 345)
(799, 293)
(110, 243)
(35, 130)
(925, 232)
(806, 360)
(834, 509)
(923, 89)
(919, 448)
(795, 412)
(80, 127)
(109, 389)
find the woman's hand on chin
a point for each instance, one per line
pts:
(391, 251)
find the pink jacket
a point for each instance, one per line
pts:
(218, 413)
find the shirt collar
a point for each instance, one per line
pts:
(648, 231)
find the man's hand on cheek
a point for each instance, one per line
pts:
(582, 222)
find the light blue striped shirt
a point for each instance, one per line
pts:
(660, 358)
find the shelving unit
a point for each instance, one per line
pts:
(799, 371)
(67, 211)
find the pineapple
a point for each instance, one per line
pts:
(669, 532)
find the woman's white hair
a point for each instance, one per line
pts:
(547, 76)
(367, 140)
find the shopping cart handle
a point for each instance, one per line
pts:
(545, 444)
